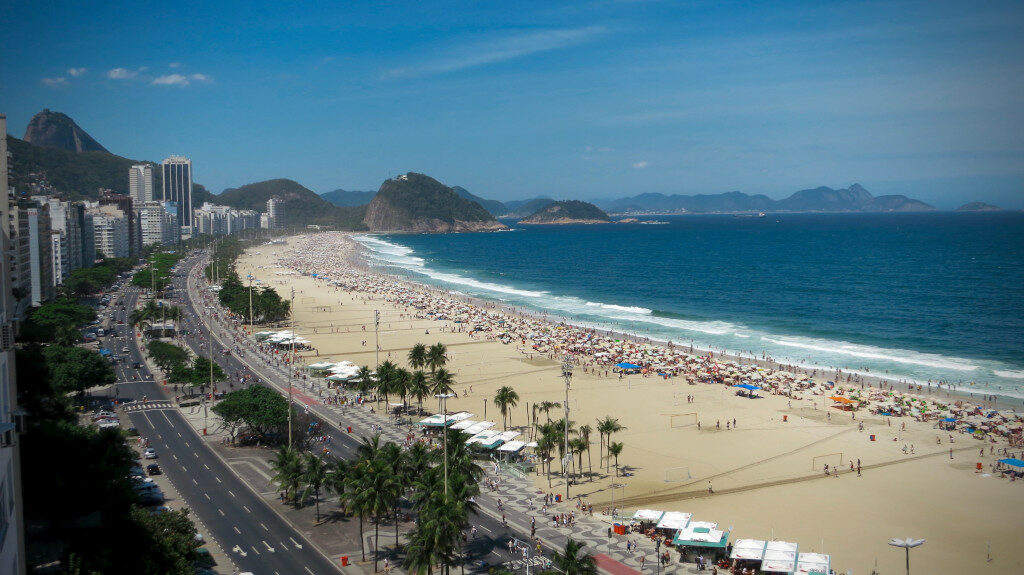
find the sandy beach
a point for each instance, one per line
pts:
(766, 470)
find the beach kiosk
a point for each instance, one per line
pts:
(815, 563)
(748, 553)
(646, 518)
(673, 521)
(703, 535)
(779, 557)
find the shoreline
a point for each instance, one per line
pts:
(819, 374)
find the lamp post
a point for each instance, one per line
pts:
(615, 486)
(291, 368)
(907, 544)
(443, 398)
(250, 304)
(567, 374)
(657, 553)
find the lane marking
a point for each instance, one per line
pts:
(206, 466)
(221, 511)
(174, 456)
(217, 478)
(186, 443)
(246, 508)
(269, 548)
(283, 546)
(236, 529)
(304, 567)
(264, 527)
(185, 469)
(194, 481)
(207, 495)
(255, 549)
(231, 492)
(294, 542)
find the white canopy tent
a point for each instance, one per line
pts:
(512, 446)
(701, 531)
(813, 563)
(779, 557)
(748, 549)
(674, 520)
(648, 515)
(477, 427)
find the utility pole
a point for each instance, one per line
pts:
(291, 368)
(250, 304)
(444, 426)
(205, 411)
(376, 331)
(567, 374)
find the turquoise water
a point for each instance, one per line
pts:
(918, 297)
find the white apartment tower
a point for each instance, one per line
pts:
(140, 184)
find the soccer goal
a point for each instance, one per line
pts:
(682, 420)
(307, 299)
(676, 474)
(832, 459)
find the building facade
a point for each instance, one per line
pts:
(12, 528)
(140, 184)
(177, 187)
(275, 213)
(159, 223)
(110, 230)
(127, 207)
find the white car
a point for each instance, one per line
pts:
(108, 424)
(150, 453)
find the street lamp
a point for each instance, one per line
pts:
(567, 374)
(443, 399)
(907, 544)
(615, 486)
(657, 553)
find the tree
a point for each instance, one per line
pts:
(383, 491)
(608, 426)
(614, 449)
(288, 472)
(315, 474)
(437, 356)
(386, 374)
(419, 387)
(170, 544)
(257, 407)
(572, 561)
(364, 381)
(75, 369)
(585, 432)
(505, 399)
(441, 381)
(547, 406)
(418, 356)
(57, 317)
(166, 355)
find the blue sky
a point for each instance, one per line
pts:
(518, 99)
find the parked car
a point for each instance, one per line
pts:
(153, 469)
(150, 453)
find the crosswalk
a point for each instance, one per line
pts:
(149, 405)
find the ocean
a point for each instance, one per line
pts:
(916, 297)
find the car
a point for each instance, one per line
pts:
(108, 424)
(103, 414)
(137, 365)
(124, 349)
(150, 453)
(153, 469)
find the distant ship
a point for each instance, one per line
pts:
(761, 214)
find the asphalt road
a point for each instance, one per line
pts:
(258, 539)
(488, 549)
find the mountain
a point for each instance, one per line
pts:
(302, 206)
(348, 199)
(523, 208)
(418, 203)
(821, 199)
(56, 130)
(568, 212)
(496, 208)
(76, 175)
(979, 207)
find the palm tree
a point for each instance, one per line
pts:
(544, 446)
(608, 426)
(368, 447)
(585, 431)
(314, 476)
(288, 472)
(547, 406)
(383, 491)
(400, 383)
(442, 381)
(357, 498)
(418, 356)
(573, 561)
(614, 449)
(364, 380)
(419, 387)
(386, 373)
(578, 445)
(437, 356)
(505, 399)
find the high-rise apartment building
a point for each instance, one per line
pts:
(40, 257)
(159, 223)
(127, 207)
(177, 187)
(12, 528)
(140, 184)
(275, 213)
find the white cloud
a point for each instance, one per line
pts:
(500, 50)
(174, 65)
(640, 165)
(77, 71)
(171, 80)
(54, 82)
(201, 78)
(123, 73)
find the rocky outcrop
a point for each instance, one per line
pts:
(568, 212)
(56, 130)
(420, 204)
(978, 207)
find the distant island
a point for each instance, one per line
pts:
(568, 212)
(978, 207)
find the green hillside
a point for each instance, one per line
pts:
(78, 175)
(416, 202)
(302, 205)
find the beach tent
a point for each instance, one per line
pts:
(478, 427)
(779, 557)
(748, 387)
(464, 424)
(503, 437)
(438, 419)
(813, 563)
(673, 520)
(948, 420)
(627, 365)
(485, 436)
(1018, 463)
(701, 534)
(512, 446)
(840, 399)
(748, 549)
(648, 515)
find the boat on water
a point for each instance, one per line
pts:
(761, 214)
